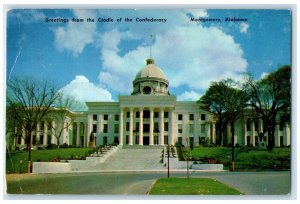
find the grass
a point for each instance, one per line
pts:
(191, 186)
(247, 158)
(13, 159)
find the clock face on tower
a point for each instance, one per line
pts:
(147, 90)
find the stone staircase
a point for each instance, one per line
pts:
(134, 158)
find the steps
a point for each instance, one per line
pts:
(134, 158)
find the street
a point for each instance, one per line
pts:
(138, 183)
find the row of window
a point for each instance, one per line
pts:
(146, 114)
(146, 127)
(191, 116)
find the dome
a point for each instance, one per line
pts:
(150, 81)
(151, 71)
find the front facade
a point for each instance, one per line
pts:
(152, 116)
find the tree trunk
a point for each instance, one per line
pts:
(29, 151)
(271, 142)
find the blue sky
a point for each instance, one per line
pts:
(98, 61)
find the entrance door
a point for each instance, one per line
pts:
(146, 140)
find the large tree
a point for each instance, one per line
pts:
(235, 100)
(29, 101)
(269, 97)
(62, 115)
(213, 101)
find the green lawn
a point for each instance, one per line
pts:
(13, 159)
(192, 186)
(247, 158)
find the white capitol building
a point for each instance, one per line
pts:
(150, 116)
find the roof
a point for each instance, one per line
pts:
(150, 70)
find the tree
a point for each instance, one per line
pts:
(235, 101)
(62, 115)
(270, 96)
(29, 101)
(213, 101)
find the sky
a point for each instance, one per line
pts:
(97, 61)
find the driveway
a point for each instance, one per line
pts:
(138, 183)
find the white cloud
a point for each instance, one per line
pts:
(188, 55)
(263, 75)
(84, 90)
(28, 15)
(75, 36)
(244, 27)
(188, 96)
(196, 12)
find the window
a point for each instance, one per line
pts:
(105, 140)
(179, 116)
(166, 114)
(202, 127)
(48, 139)
(146, 114)
(248, 125)
(116, 128)
(166, 139)
(191, 116)
(41, 138)
(116, 140)
(146, 127)
(95, 117)
(128, 114)
(42, 126)
(94, 128)
(191, 128)
(116, 117)
(202, 116)
(105, 117)
(19, 139)
(166, 126)
(179, 128)
(256, 125)
(105, 128)
(34, 139)
(156, 140)
(180, 140)
(156, 129)
(127, 139)
(156, 114)
(137, 114)
(137, 126)
(127, 126)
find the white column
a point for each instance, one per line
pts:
(277, 135)
(151, 126)
(131, 127)
(53, 139)
(245, 132)
(78, 134)
(287, 134)
(86, 134)
(172, 137)
(141, 127)
(45, 133)
(214, 131)
(253, 134)
(37, 132)
(89, 129)
(161, 124)
(207, 129)
(121, 127)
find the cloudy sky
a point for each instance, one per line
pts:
(97, 61)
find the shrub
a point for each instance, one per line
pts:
(51, 146)
(64, 145)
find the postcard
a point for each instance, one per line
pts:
(164, 101)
